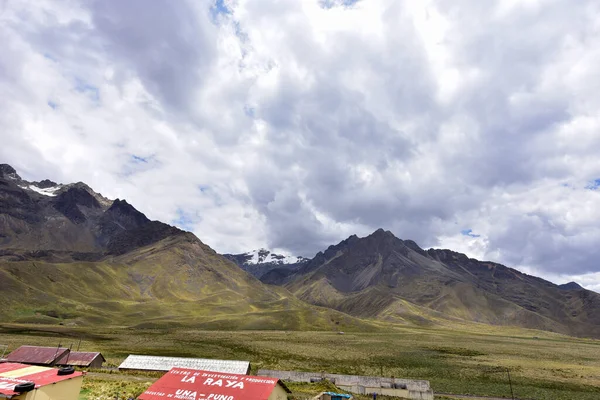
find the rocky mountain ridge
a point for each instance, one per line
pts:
(46, 216)
(69, 255)
(388, 278)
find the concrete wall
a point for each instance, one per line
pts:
(402, 393)
(64, 390)
(420, 395)
(278, 393)
(390, 392)
(97, 363)
(415, 389)
(347, 380)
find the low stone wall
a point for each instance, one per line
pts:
(407, 388)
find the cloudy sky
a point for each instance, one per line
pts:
(466, 124)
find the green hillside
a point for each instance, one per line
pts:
(177, 281)
(70, 256)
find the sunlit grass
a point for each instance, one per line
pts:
(94, 388)
(542, 365)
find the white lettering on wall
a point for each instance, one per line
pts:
(235, 384)
(229, 384)
(219, 397)
(185, 394)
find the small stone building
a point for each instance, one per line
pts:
(28, 382)
(181, 383)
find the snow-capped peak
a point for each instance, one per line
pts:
(262, 256)
(50, 191)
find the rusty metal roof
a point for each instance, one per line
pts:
(79, 358)
(37, 355)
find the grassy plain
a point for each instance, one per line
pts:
(469, 359)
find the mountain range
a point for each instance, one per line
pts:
(68, 255)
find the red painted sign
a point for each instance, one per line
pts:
(192, 384)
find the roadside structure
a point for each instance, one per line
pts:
(154, 363)
(332, 396)
(27, 382)
(183, 383)
(82, 359)
(37, 355)
(365, 385)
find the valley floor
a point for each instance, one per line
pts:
(467, 360)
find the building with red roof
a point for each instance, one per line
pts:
(37, 355)
(82, 359)
(192, 384)
(32, 382)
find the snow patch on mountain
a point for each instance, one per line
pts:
(51, 191)
(262, 256)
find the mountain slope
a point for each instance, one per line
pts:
(570, 286)
(177, 281)
(68, 255)
(384, 277)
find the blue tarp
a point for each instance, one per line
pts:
(344, 396)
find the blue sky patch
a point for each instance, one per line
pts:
(594, 185)
(219, 8)
(52, 105)
(50, 57)
(138, 159)
(337, 3)
(90, 90)
(248, 110)
(184, 220)
(469, 232)
(136, 163)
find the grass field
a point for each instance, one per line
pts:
(466, 359)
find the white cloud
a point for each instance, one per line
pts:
(292, 125)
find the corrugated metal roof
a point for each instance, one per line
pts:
(154, 363)
(79, 358)
(192, 383)
(12, 374)
(36, 355)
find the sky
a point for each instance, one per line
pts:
(464, 124)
